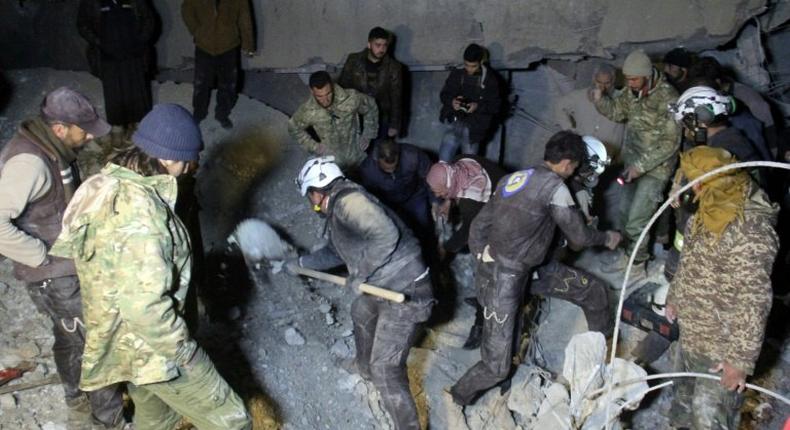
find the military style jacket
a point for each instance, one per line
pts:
(518, 223)
(652, 138)
(220, 26)
(388, 88)
(338, 126)
(722, 290)
(133, 259)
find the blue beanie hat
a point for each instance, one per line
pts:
(168, 132)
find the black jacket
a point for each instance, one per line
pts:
(483, 89)
(388, 90)
(518, 222)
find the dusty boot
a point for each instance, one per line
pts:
(79, 413)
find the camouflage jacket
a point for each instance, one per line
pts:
(338, 127)
(652, 138)
(133, 260)
(722, 290)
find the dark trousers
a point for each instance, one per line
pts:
(578, 287)
(222, 68)
(59, 299)
(500, 291)
(384, 332)
(127, 91)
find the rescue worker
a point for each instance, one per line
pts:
(333, 114)
(721, 295)
(380, 76)
(649, 155)
(575, 111)
(395, 173)
(470, 101)
(221, 28)
(38, 177)
(378, 249)
(133, 257)
(511, 236)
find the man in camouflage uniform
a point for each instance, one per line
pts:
(721, 294)
(133, 257)
(38, 177)
(373, 72)
(333, 114)
(650, 148)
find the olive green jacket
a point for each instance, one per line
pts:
(218, 30)
(652, 138)
(338, 126)
(133, 260)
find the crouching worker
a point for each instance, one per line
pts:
(133, 258)
(378, 249)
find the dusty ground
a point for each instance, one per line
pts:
(278, 338)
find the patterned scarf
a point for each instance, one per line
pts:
(723, 196)
(464, 179)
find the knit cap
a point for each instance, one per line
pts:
(168, 132)
(637, 63)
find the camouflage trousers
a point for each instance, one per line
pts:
(384, 332)
(199, 394)
(638, 201)
(60, 300)
(500, 291)
(702, 404)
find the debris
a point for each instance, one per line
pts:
(341, 349)
(7, 401)
(526, 394)
(325, 308)
(293, 337)
(329, 318)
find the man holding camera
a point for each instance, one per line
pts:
(470, 100)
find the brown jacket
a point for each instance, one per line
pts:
(388, 90)
(219, 29)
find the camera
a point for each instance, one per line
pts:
(464, 105)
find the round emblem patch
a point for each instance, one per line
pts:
(516, 182)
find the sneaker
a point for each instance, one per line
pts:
(225, 123)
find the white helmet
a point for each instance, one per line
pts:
(597, 156)
(318, 173)
(703, 104)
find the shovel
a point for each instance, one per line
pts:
(258, 240)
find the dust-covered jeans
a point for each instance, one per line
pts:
(639, 200)
(384, 331)
(702, 404)
(500, 291)
(456, 136)
(199, 394)
(60, 300)
(579, 287)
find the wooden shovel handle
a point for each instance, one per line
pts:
(365, 288)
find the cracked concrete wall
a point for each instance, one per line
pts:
(293, 33)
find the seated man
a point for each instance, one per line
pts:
(395, 173)
(512, 235)
(333, 114)
(470, 100)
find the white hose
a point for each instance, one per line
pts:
(641, 238)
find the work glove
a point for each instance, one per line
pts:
(291, 265)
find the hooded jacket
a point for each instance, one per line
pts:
(133, 258)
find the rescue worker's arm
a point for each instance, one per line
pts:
(190, 16)
(615, 108)
(142, 262)
(396, 98)
(297, 128)
(747, 305)
(323, 259)
(665, 143)
(85, 20)
(370, 113)
(245, 28)
(357, 213)
(468, 209)
(571, 221)
(25, 178)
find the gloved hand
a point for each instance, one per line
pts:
(291, 264)
(353, 282)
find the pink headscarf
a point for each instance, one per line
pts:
(464, 179)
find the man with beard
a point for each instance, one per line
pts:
(380, 76)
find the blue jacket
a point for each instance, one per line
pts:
(403, 185)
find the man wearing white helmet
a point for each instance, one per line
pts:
(378, 249)
(650, 150)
